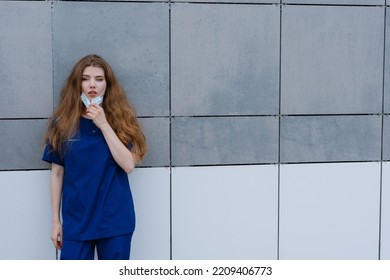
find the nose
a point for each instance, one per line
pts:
(92, 83)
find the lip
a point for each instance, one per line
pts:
(93, 93)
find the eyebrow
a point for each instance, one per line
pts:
(98, 76)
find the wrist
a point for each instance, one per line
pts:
(105, 127)
(56, 221)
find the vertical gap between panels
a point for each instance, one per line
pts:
(382, 137)
(52, 52)
(170, 135)
(279, 135)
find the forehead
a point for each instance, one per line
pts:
(93, 71)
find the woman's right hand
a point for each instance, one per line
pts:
(56, 235)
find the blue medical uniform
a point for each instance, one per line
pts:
(96, 199)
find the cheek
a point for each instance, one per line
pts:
(103, 86)
(84, 86)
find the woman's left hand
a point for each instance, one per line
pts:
(96, 113)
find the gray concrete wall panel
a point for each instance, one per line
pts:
(337, 2)
(230, 140)
(330, 138)
(332, 60)
(125, 0)
(228, 1)
(133, 37)
(225, 67)
(387, 65)
(386, 137)
(157, 136)
(20, 144)
(26, 60)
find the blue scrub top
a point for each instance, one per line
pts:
(96, 199)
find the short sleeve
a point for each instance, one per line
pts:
(51, 156)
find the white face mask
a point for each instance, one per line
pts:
(97, 100)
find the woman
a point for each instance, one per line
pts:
(92, 142)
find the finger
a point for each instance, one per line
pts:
(91, 112)
(58, 242)
(96, 106)
(56, 239)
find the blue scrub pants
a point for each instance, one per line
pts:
(112, 248)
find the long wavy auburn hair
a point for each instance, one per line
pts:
(119, 112)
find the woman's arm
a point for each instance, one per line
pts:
(56, 180)
(119, 151)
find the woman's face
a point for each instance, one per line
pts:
(93, 82)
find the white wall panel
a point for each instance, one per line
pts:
(329, 211)
(385, 213)
(25, 216)
(224, 212)
(151, 193)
